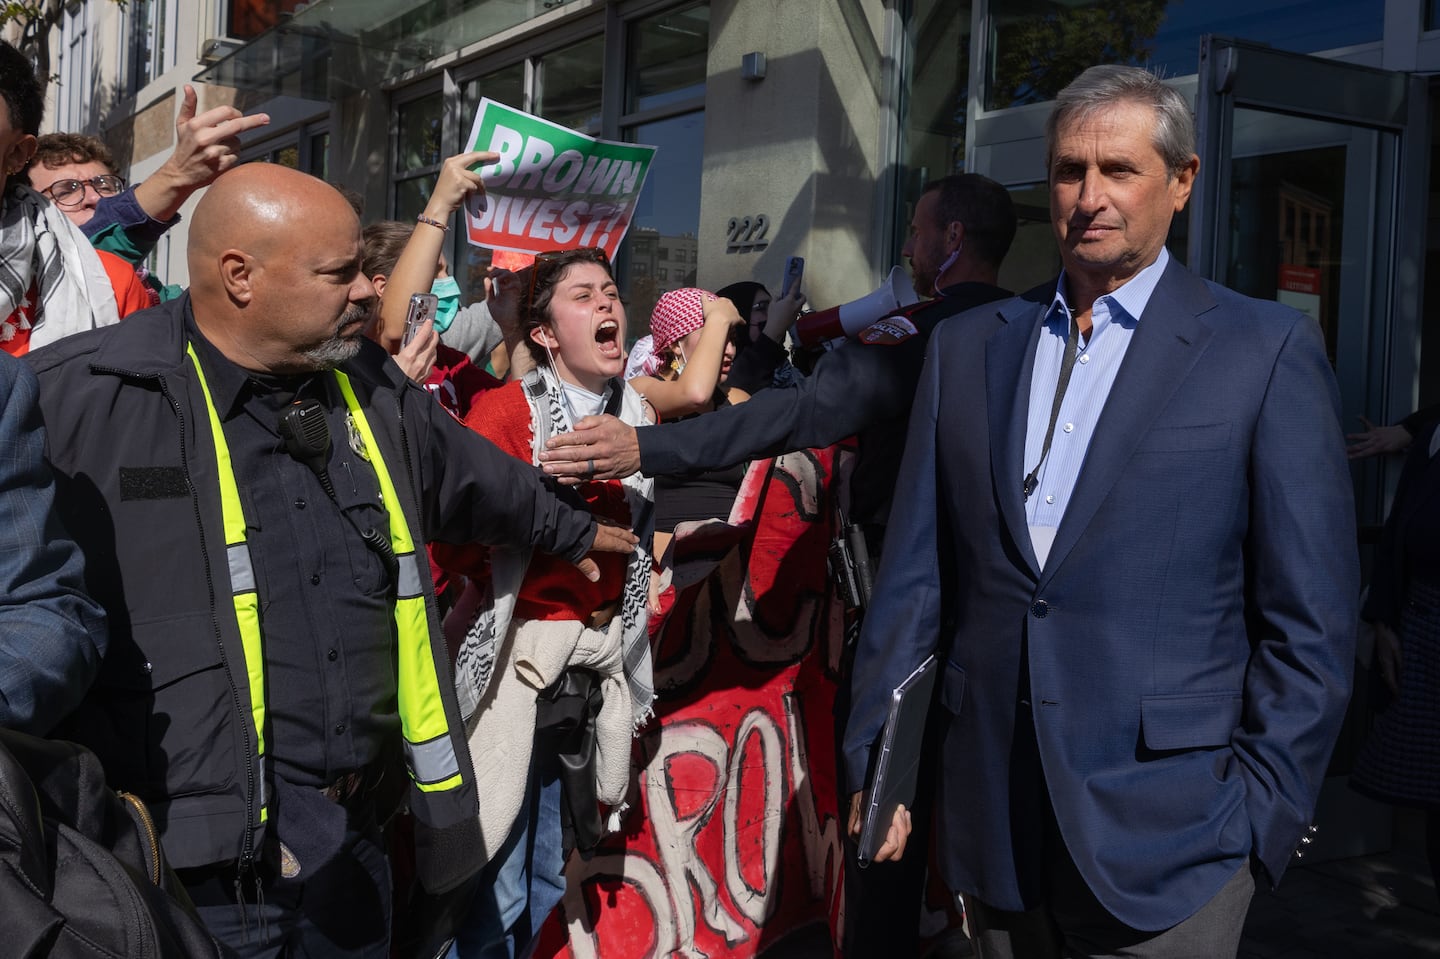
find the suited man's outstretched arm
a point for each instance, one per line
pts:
(849, 389)
(902, 624)
(1303, 584)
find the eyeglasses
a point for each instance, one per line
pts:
(71, 193)
(550, 263)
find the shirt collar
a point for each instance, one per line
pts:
(1131, 297)
(231, 386)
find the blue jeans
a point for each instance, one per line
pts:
(524, 882)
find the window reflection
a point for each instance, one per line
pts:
(1033, 258)
(935, 101)
(662, 233)
(1039, 46)
(249, 18)
(470, 263)
(569, 81)
(419, 142)
(667, 58)
(320, 156)
(411, 197)
(506, 85)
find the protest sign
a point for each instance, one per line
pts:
(552, 188)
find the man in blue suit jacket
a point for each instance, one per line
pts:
(1124, 524)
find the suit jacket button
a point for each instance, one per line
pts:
(1040, 609)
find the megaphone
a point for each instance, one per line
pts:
(848, 319)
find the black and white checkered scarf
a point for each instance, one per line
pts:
(39, 245)
(487, 621)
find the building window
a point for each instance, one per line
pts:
(568, 85)
(319, 160)
(419, 150)
(934, 102)
(75, 87)
(667, 58)
(1038, 47)
(152, 25)
(936, 92)
(306, 149)
(470, 264)
(669, 208)
(664, 100)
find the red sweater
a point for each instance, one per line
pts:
(553, 589)
(456, 380)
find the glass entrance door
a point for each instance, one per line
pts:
(1313, 191)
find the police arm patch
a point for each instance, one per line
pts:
(888, 332)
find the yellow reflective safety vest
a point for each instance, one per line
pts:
(430, 754)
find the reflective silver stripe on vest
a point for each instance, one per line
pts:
(409, 576)
(433, 761)
(242, 574)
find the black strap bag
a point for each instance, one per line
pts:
(81, 869)
(565, 724)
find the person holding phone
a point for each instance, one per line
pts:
(450, 374)
(760, 357)
(484, 330)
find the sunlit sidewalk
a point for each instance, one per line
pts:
(1371, 907)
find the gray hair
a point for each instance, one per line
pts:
(1102, 87)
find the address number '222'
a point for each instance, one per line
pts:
(747, 233)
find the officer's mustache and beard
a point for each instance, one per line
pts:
(341, 346)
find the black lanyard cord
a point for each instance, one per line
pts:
(1067, 366)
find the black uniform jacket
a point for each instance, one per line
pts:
(135, 464)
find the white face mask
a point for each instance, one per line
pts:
(575, 397)
(580, 401)
(680, 367)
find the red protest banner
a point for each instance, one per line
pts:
(732, 840)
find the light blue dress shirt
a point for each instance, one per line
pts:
(1113, 319)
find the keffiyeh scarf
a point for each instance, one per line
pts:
(39, 246)
(487, 612)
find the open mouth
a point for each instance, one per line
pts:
(607, 338)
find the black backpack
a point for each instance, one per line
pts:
(81, 870)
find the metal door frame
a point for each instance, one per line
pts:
(1383, 380)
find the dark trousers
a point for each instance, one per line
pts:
(1071, 922)
(343, 911)
(884, 900)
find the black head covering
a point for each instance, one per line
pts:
(743, 295)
